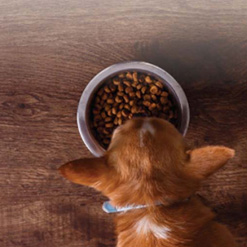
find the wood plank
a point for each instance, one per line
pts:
(49, 51)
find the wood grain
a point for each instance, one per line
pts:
(50, 49)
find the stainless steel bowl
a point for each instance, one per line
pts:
(83, 110)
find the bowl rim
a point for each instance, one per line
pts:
(82, 110)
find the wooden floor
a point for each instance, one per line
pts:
(49, 50)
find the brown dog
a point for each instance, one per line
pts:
(147, 164)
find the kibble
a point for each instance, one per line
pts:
(127, 94)
(114, 111)
(135, 78)
(143, 89)
(153, 89)
(126, 98)
(138, 94)
(148, 79)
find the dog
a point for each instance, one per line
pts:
(151, 178)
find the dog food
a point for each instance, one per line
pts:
(125, 95)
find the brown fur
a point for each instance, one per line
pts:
(142, 166)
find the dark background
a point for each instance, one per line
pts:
(50, 49)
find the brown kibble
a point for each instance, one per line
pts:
(132, 94)
(108, 119)
(114, 111)
(126, 99)
(163, 100)
(120, 87)
(126, 106)
(133, 109)
(170, 114)
(104, 96)
(159, 107)
(128, 90)
(103, 115)
(164, 94)
(95, 124)
(159, 84)
(98, 106)
(100, 129)
(154, 98)
(118, 99)
(165, 109)
(120, 121)
(139, 86)
(135, 84)
(141, 109)
(138, 94)
(97, 118)
(159, 92)
(96, 111)
(120, 94)
(152, 106)
(129, 76)
(121, 106)
(101, 123)
(141, 78)
(148, 79)
(106, 141)
(153, 89)
(131, 103)
(125, 113)
(107, 107)
(116, 81)
(106, 132)
(119, 114)
(110, 101)
(121, 75)
(109, 125)
(107, 89)
(116, 121)
(143, 90)
(135, 76)
(146, 103)
(130, 116)
(109, 113)
(127, 83)
(100, 92)
(112, 88)
(97, 99)
(147, 97)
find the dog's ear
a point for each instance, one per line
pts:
(86, 171)
(206, 160)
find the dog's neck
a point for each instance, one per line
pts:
(176, 223)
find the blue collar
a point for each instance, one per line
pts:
(108, 208)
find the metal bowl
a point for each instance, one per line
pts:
(83, 111)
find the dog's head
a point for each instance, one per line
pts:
(147, 161)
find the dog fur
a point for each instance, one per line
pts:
(147, 161)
